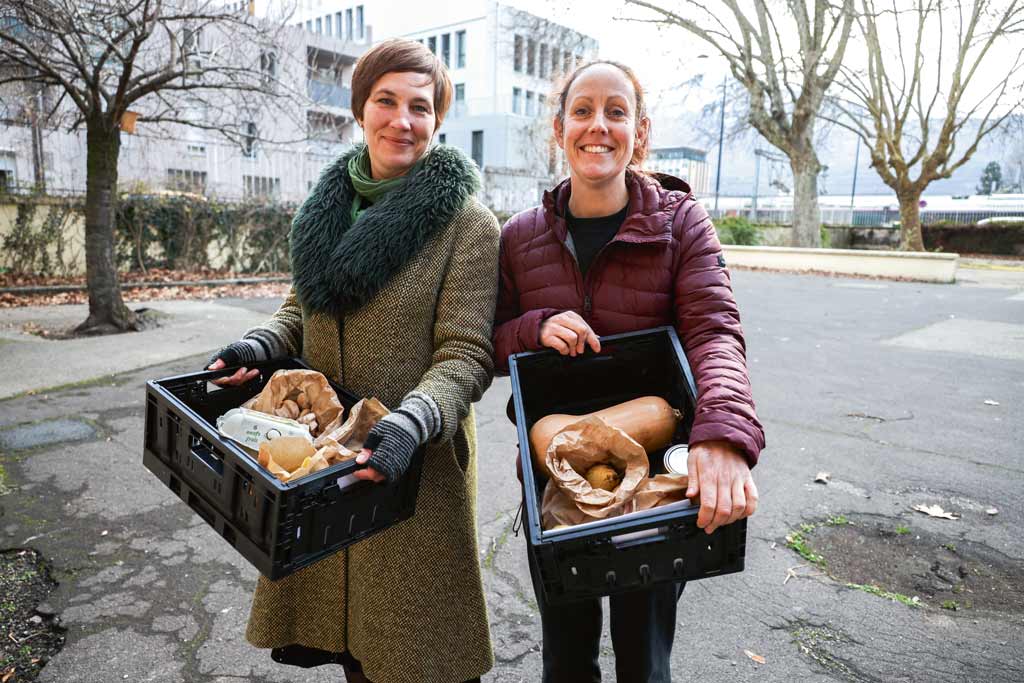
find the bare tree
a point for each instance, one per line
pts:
(949, 81)
(188, 62)
(786, 61)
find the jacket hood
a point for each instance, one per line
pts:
(653, 199)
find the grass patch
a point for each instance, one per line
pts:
(797, 541)
(951, 547)
(950, 605)
(902, 530)
(888, 595)
(838, 520)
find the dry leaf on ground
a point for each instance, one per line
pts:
(935, 511)
(822, 477)
(990, 402)
(992, 511)
(757, 658)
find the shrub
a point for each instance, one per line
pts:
(738, 230)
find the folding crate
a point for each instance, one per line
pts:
(278, 527)
(632, 551)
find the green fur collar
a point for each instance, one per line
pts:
(338, 265)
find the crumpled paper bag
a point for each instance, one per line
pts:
(314, 463)
(346, 440)
(287, 384)
(558, 510)
(586, 443)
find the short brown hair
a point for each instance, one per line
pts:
(396, 55)
(639, 150)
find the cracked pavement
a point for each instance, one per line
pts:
(867, 381)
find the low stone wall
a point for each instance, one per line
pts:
(907, 265)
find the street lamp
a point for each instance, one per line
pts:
(721, 136)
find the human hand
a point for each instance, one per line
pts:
(388, 448)
(719, 473)
(242, 376)
(569, 334)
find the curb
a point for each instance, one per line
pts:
(904, 265)
(57, 289)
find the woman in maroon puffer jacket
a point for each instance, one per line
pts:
(612, 250)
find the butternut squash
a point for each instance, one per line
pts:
(649, 420)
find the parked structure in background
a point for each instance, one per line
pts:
(269, 158)
(504, 63)
(687, 163)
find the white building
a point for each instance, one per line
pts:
(278, 153)
(504, 64)
(686, 163)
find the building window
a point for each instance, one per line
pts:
(268, 65)
(319, 26)
(531, 57)
(249, 136)
(566, 62)
(555, 54)
(186, 180)
(540, 104)
(261, 187)
(327, 25)
(579, 61)
(446, 49)
(338, 24)
(360, 25)
(442, 138)
(348, 24)
(460, 92)
(517, 56)
(309, 25)
(478, 148)
(543, 60)
(197, 150)
(531, 104)
(460, 50)
(517, 97)
(432, 44)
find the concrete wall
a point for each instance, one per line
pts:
(67, 256)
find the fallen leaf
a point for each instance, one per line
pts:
(822, 477)
(7, 676)
(757, 658)
(990, 402)
(992, 511)
(104, 532)
(935, 511)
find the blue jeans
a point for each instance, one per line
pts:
(643, 626)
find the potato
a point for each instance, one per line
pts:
(292, 407)
(302, 400)
(602, 476)
(287, 451)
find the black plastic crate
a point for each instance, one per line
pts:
(278, 527)
(632, 551)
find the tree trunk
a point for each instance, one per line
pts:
(910, 221)
(107, 312)
(806, 215)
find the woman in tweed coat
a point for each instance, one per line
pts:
(394, 283)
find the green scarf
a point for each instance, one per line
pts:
(368, 190)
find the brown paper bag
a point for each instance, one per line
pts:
(586, 443)
(346, 440)
(286, 385)
(660, 490)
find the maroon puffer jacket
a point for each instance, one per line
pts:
(663, 267)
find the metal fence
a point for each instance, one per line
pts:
(868, 217)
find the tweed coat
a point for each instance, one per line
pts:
(664, 266)
(408, 602)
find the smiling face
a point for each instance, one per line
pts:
(600, 129)
(398, 122)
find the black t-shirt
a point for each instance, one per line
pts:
(590, 234)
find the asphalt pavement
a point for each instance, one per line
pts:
(904, 394)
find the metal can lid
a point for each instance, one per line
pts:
(676, 457)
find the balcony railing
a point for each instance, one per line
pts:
(329, 94)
